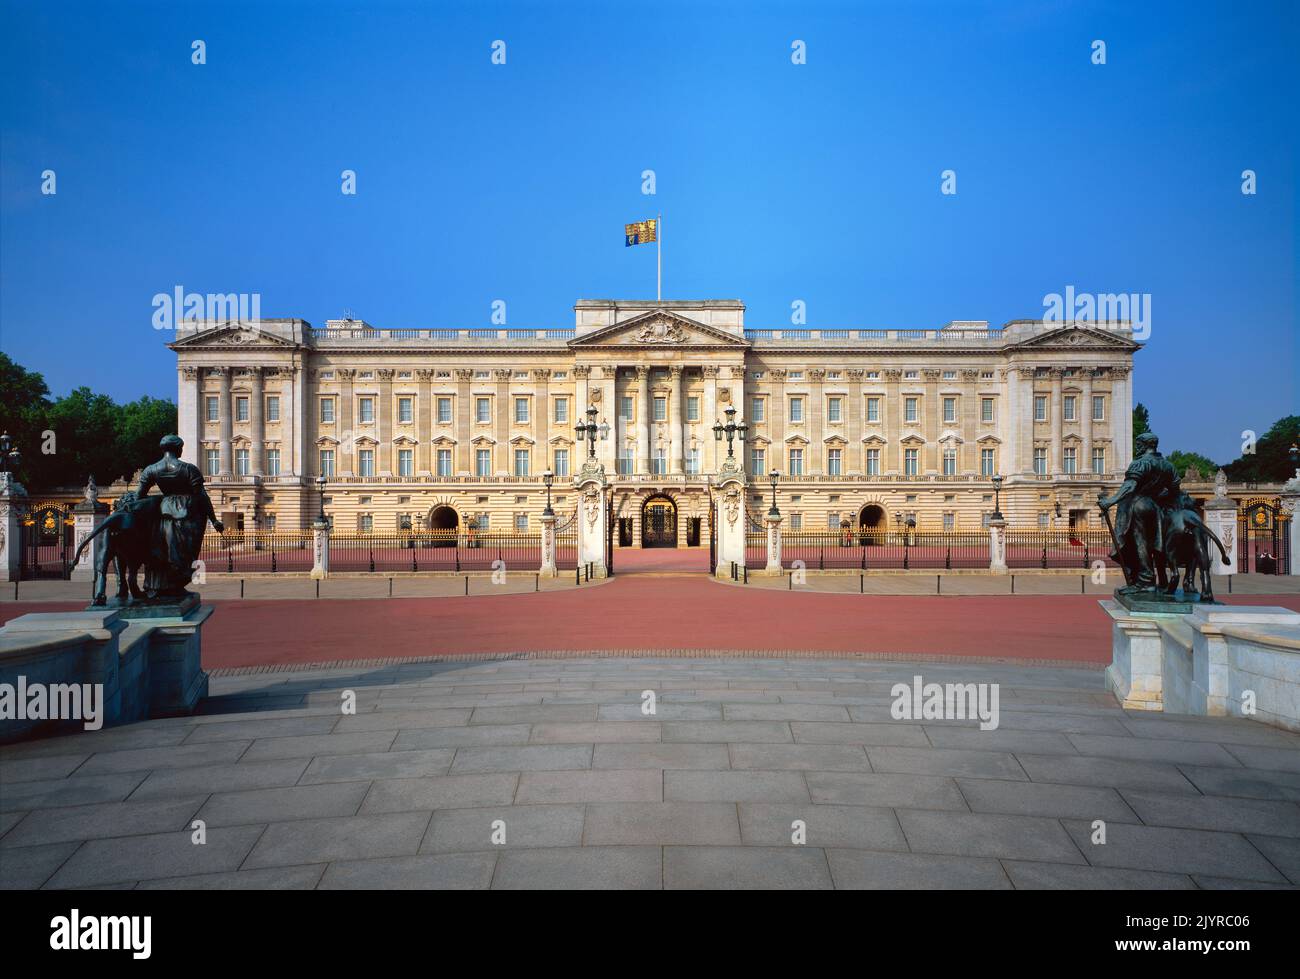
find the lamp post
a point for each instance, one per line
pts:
(775, 477)
(320, 485)
(589, 430)
(10, 457)
(1293, 452)
(733, 430)
(997, 499)
(548, 478)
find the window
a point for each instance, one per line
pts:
(625, 408)
(796, 521)
(1099, 461)
(327, 462)
(273, 462)
(366, 411)
(273, 408)
(693, 459)
(873, 462)
(521, 462)
(909, 409)
(949, 521)
(909, 462)
(521, 411)
(950, 375)
(561, 463)
(985, 517)
(624, 461)
(833, 413)
(758, 462)
(561, 410)
(241, 462)
(405, 411)
(1043, 521)
(950, 462)
(483, 410)
(241, 409)
(1098, 407)
(365, 522)
(661, 409)
(483, 521)
(986, 409)
(1040, 462)
(873, 409)
(1040, 409)
(950, 409)
(832, 521)
(366, 462)
(481, 375)
(796, 375)
(444, 462)
(692, 409)
(1068, 406)
(909, 375)
(483, 462)
(327, 411)
(796, 409)
(521, 523)
(405, 462)
(213, 457)
(757, 409)
(796, 462)
(1070, 460)
(659, 464)
(833, 462)
(986, 462)
(212, 408)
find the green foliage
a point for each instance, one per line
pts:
(1182, 461)
(1270, 462)
(92, 435)
(1141, 422)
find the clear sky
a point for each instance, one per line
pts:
(778, 182)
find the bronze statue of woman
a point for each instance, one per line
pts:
(182, 515)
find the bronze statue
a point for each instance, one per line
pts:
(162, 531)
(1187, 546)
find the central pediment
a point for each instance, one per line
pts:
(660, 328)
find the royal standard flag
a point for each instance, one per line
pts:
(640, 232)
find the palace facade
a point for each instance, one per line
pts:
(435, 428)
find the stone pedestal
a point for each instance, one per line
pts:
(593, 517)
(729, 517)
(86, 516)
(13, 503)
(773, 521)
(997, 545)
(548, 569)
(1221, 518)
(1290, 499)
(320, 549)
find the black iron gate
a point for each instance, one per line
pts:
(1263, 539)
(47, 542)
(659, 523)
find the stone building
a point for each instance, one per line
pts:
(433, 428)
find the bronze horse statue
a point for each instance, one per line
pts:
(1187, 547)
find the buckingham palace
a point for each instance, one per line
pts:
(444, 429)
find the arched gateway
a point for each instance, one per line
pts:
(659, 522)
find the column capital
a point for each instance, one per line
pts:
(541, 374)
(778, 373)
(503, 373)
(345, 373)
(675, 371)
(817, 374)
(426, 375)
(709, 370)
(931, 375)
(642, 372)
(385, 374)
(892, 374)
(855, 374)
(970, 374)
(191, 373)
(582, 371)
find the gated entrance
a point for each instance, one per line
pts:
(659, 522)
(47, 542)
(1263, 539)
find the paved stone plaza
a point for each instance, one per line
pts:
(408, 791)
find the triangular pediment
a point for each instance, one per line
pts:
(1078, 335)
(242, 335)
(659, 328)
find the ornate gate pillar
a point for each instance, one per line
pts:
(997, 545)
(548, 569)
(729, 516)
(13, 499)
(86, 515)
(593, 516)
(773, 521)
(1221, 517)
(1291, 525)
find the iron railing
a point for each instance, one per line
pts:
(257, 551)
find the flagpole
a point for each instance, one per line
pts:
(659, 257)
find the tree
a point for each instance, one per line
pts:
(1182, 461)
(1270, 462)
(1141, 423)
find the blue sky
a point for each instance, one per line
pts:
(777, 182)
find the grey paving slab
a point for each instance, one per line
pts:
(279, 804)
(1116, 773)
(27, 868)
(38, 767)
(684, 755)
(945, 761)
(524, 758)
(272, 879)
(1028, 876)
(134, 858)
(1064, 723)
(824, 732)
(659, 823)
(784, 712)
(1045, 799)
(1226, 884)
(440, 792)
(150, 734)
(607, 785)
(77, 790)
(885, 790)
(8, 820)
(663, 712)
(393, 720)
(265, 727)
(308, 746)
(220, 778)
(1247, 782)
(1179, 851)
(745, 868)
(596, 732)
(1257, 756)
(723, 732)
(1268, 817)
(580, 868)
(442, 872)
(461, 737)
(345, 838)
(988, 835)
(1282, 852)
(173, 756)
(378, 765)
(867, 870)
(1151, 749)
(464, 830)
(805, 757)
(735, 786)
(532, 715)
(1223, 730)
(972, 738)
(860, 827)
(106, 819)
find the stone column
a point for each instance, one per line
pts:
(776, 414)
(675, 420)
(708, 416)
(729, 519)
(86, 515)
(296, 420)
(189, 412)
(892, 463)
(643, 408)
(424, 402)
(548, 569)
(773, 521)
(347, 436)
(737, 395)
(593, 517)
(816, 420)
(968, 411)
(1085, 423)
(1221, 518)
(257, 422)
(504, 451)
(1026, 427)
(933, 420)
(542, 421)
(1054, 465)
(226, 413)
(997, 545)
(384, 462)
(13, 501)
(320, 544)
(1121, 419)
(1290, 499)
(856, 462)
